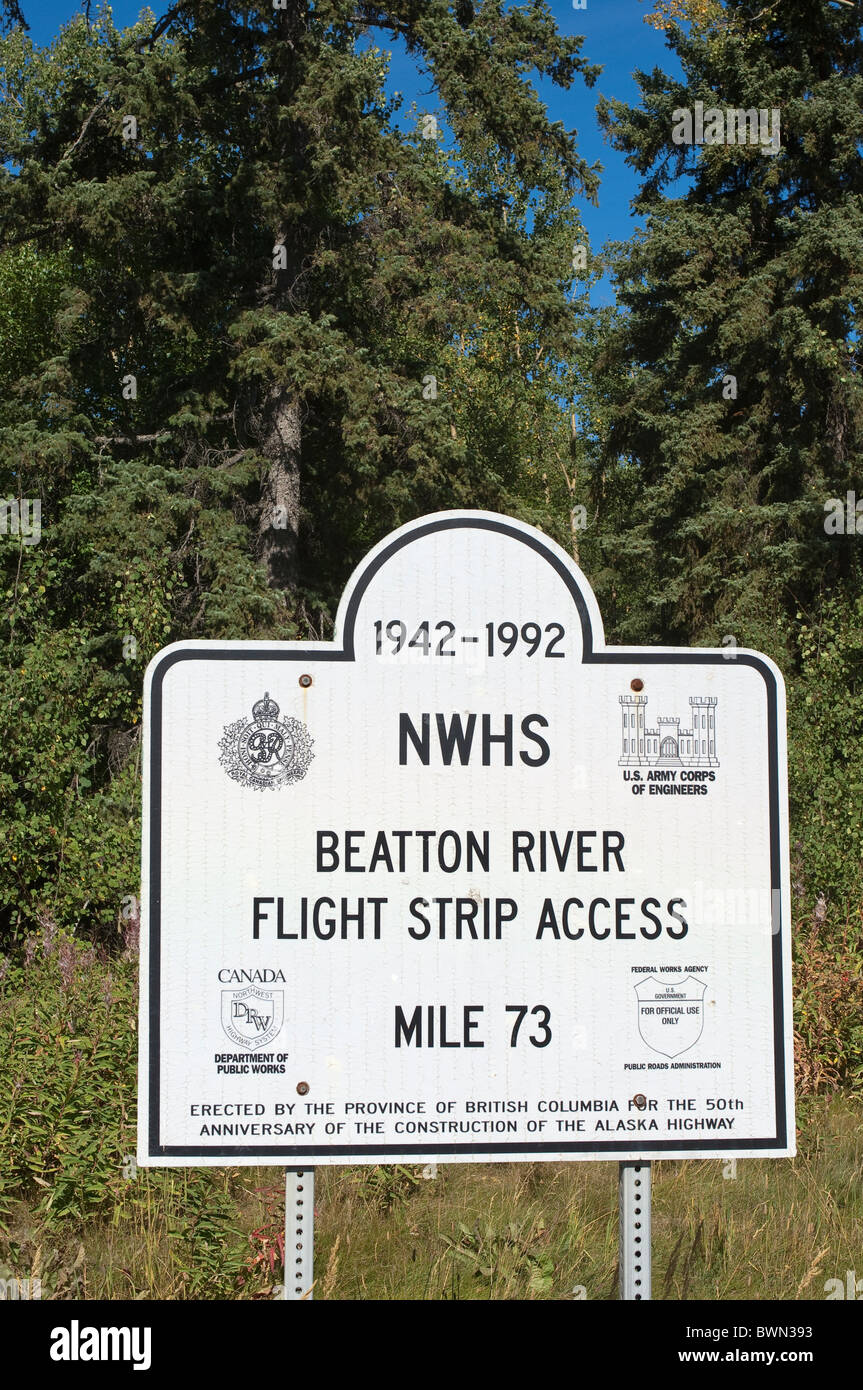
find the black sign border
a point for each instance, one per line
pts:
(298, 1154)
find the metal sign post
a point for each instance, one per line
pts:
(634, 1244)
(299, 1234)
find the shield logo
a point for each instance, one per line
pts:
(670, 1013)
(252, 1017)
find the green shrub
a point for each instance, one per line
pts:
(825, 719)
(67, 1086)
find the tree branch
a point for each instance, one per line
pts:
(164, 23)
(12, 15)
(31, 235)
(83, 131)
(160, 28)
(150, 438)
(130, 438)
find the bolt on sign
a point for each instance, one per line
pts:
(464, 883)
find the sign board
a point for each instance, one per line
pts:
(464, 883)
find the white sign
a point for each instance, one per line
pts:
(464, 883)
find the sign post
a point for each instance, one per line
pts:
(464, 884)
(634, 1239)
(299, 1234)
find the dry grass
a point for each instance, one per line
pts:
(778, 1230)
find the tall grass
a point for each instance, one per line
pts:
(76, 1214)
(778, 1229)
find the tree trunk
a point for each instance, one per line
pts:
(279, 525)
(280, 432)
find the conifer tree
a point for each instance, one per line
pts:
(731, 379)
(250, 322)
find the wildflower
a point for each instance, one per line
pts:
(66, 958)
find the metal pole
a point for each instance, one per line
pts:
(299, 1233)
(634, 1195)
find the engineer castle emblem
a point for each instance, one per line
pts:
(266, 751)
(666, 744)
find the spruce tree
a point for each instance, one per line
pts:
(267, 325)
(731, 379)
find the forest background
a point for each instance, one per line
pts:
(253, 317)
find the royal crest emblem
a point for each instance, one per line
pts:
(670, 1013)
(252, 1017)
(265, 751)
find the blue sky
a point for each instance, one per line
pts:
(616, 37)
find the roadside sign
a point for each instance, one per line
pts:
(464, 883)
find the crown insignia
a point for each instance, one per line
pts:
(266, 751)
(266, 708)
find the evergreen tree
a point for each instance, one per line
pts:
(266, 326)
(731, 379)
